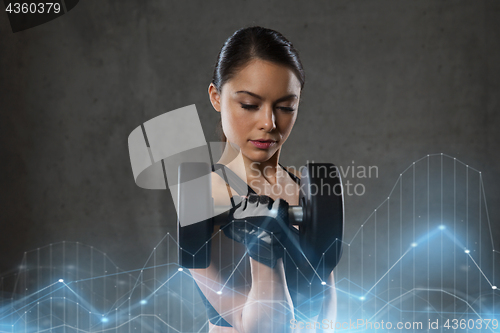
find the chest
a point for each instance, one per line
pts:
(284, 188)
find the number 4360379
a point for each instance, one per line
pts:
(33, 8)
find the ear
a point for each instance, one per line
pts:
(214, 95)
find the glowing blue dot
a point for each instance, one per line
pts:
(180, 269)
(362, 298)
(493, 287)
(219, 292)
(414, 244)
(144, 301)
(323, 282)
(61, 280)
(442, 227)
(104, 320)
(467, 251)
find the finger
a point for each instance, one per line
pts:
(264, 200)
(281, 203)
(253, 198)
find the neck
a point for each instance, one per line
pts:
(267, 169)
(229, 154)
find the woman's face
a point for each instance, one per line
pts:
(258, 106)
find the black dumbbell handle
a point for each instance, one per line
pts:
(221, 214)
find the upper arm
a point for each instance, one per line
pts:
(226, 291)
(220, 192)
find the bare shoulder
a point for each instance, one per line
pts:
(220, 191)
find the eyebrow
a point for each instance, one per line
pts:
(284, 98)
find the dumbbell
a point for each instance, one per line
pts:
(319, 216)
(156, 149)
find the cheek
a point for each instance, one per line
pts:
(233, 125)
(287, 124)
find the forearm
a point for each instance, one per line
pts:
(268, 307)
(329, 308)
(260, 223)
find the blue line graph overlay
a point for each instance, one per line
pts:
(425, 255)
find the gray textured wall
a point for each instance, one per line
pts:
(387, 83)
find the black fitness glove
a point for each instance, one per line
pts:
(260, 223)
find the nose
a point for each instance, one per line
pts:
(267, 119)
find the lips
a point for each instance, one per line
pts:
(263, 144)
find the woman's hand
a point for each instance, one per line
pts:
(260, 223)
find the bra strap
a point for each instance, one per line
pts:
(232, 181)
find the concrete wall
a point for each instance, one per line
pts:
(388, 82)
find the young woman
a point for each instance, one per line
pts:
(253, 284)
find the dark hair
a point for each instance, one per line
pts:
(255, 43)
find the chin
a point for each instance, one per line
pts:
(259, 156)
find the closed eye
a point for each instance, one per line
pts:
(249, 106)
(286, 108)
